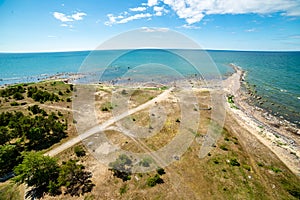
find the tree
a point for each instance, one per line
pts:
(79, 151)
(8, 158)
(160, 171)
(36, 170)
(74, 178)
(18, 96)
(121, 167)
(4, 135)
(35, 109)
(152, 181)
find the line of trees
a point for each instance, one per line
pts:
(36, 94)
(40, 95)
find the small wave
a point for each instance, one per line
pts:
(282, 90)
(298, 98)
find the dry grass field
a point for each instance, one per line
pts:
(238, 167)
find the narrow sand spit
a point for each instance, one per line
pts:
(287, 150)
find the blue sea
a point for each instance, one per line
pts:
(274, 75)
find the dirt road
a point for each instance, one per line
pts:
(108, 123)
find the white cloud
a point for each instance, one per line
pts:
(152, 2)
(62, 17)
(51, 36)
(158, 14)
(137, 16)
(121, 19)
(78, 15)
(189, 26)
(67, 25)
(147, 29)
(193, 11)
(138, 9)
(158, 9)
(69, 18)
(250, 30)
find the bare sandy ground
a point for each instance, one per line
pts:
(107, 123)
(287, 149)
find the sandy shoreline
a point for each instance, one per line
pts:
(283, 143)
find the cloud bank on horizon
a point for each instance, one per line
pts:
(193, 11)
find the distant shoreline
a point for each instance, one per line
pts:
(72, 51)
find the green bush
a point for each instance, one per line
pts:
(41, 96)
(234, 162)
(260, 164)
(247, 167)
(160, 171)
(35, 109)
(152, 181)
(14, 103)
(216, 161)
(18, 96)
(104, 109)
(224, 148)
(79, 151)
(230, 99)
(9, 91)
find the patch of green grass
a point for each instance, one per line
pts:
(247, 167)
(275, 169)
(123, 189)
(260, 164)
(89, 197)
(107, 107)
(164, 87)
(215, 161)
(223, 147)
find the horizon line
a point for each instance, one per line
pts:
(87, 50)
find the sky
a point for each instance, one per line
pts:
(74, 25)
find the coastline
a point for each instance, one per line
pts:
(281, 141)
